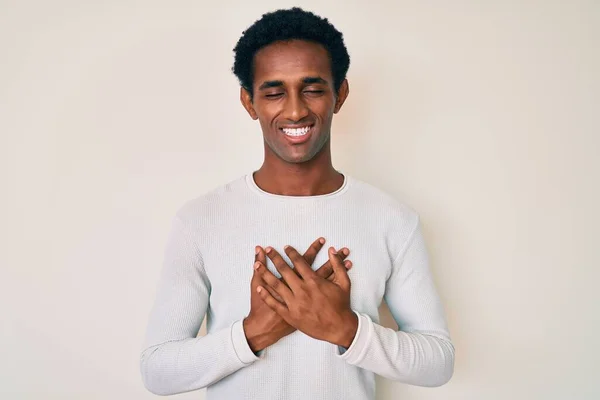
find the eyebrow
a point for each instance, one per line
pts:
(316, 79)
(307, 81)
(270, 84)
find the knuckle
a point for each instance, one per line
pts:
(266, 277)
(326, 272)
(310, 281)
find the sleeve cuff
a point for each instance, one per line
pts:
(240, 344)
(357, 348)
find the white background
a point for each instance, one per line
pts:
(482, 115)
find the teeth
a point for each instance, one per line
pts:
(296, 132)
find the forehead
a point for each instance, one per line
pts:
(291, 61)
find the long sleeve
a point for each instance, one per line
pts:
(421, 352)
(173, 360)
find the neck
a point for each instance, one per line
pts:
(312, 178)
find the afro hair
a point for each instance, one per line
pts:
(285, 25)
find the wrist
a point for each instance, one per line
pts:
(347, 330)
(253, 337)
(257, 336)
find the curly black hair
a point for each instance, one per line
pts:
(284, 25)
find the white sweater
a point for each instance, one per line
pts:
(207, 270)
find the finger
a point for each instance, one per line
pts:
(341, 276)
(271, 290)
(326, 270)
(274, 294)
(255, 276)
(260, 255)
(311, 253)
(257, 280)
(272, 303)
(299, 262)
(290, 277)
(347, 264)
(274, 283)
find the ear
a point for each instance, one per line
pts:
(246, 100)
(341, 96)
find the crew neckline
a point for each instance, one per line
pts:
(255, 188)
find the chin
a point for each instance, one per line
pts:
(284, 154)
(297, 160)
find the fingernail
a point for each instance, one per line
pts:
(258, 289)
(322, 240)
(345, 251)
(331, 250)
(286, 246)
(257, 249)
(256, 265)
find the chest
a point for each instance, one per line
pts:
(228, 256)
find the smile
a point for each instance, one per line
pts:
(297, 132)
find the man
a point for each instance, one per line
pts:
(280, 324)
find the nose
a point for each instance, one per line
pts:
(295, 108)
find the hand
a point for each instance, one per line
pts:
(263, 326)
(313, 305)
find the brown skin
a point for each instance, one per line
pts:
(295, 169)
(318, 307)
(293, 86)
(264, 326)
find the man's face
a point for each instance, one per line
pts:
(294, 98)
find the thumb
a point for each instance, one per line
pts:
(341, 275)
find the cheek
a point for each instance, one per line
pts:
(266, 115)
(324, 109)
(264, 124)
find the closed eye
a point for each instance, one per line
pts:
(273, 95)
(314, 93)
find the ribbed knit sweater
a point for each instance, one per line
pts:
(207, 270)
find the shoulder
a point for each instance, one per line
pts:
(398, 219)
(210, 206)
(382, 202)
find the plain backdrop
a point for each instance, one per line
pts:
(481, 115)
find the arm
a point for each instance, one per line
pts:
(173, 359)
(420, 353)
